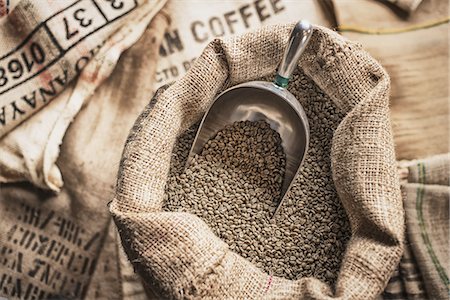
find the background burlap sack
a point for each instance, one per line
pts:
(179, 255)
(64, 246)
(29, 150)
(419, 79)
(423, 272)
(194, 25)
(426, 202)
(428, 232)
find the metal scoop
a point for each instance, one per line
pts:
(271, 102)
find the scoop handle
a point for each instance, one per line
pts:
(297, 42)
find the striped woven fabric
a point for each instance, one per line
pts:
(423, 272)
(406, 282)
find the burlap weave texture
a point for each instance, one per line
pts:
(179, 255)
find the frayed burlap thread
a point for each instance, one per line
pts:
(177, 253)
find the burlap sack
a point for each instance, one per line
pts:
(28, 152)
(64, 246)
(406, 281)
(180, 256)
(427, 196)
(45, 45)
(432, 170)
(424, 269)
(419, 79)
(427, 211)
(193, 26)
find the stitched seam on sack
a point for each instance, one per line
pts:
(423, 230)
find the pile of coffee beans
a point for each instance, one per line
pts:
(234, 185)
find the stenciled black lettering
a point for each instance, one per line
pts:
(216, 26)
(162, 51)
(16, 110)
(62, 249)
(40, 244)
(79, 17)
(93, 265)
(32, 215)
(49, 276)
(54, 280)
(62, 80)
(116, 4)
(260, 7)
(67, 230)
(245, 15)
(75, 265)
(3, 78)
(195, 27)
(173, 41)
(85, 265)
(30, 240)
(27, 238)
(158, 78)
(81, 63)
(30, 100)
(174, 71)
(47, 92)
(69, 34)
(2, 116)
(276, 6)
(229, 20)
(5, 252)
(16, 264)
(33, 293)
(11, 259)
(24, 236)
(11, 231)
(54, 246)
(37, 53)
(91, 242)
(95, 50)
(28, 62)
(71, 260)
(47, 220)
(38, 263)
(72, 233)
(186, 65)
(76, 240)
(59, 223)
(2, 283)
(78, 290)
(15, 68)
(62, 255)
(63, 283)
(10, 286)
(17, 288)
(37, 56)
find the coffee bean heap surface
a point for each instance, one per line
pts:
(234, 185)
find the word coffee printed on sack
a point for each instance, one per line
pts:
(235, 20)
(60, 249)
(29, 73)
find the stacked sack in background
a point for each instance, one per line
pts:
(58, 241)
